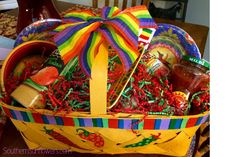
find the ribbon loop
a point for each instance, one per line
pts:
(83, 33)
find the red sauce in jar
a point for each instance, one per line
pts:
(188, 77)
(190, 74)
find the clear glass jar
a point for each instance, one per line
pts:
(190, 74)
(188, 77)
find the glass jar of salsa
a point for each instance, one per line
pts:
(189, 74)
(188, 77)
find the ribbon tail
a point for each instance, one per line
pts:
(64, 26)
(127, 26)
(108, 12)
(72, 40)
(126, 52)
(90, 51)
(143, 15)
(76, 16)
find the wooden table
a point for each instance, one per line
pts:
(12, 138)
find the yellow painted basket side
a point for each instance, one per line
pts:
(81, 132)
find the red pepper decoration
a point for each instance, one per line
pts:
(59, 137)
(95, 138)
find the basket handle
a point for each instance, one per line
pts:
(98, 82)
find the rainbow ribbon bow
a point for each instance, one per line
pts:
(83, 33)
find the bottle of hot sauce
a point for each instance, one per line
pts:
(188, 77)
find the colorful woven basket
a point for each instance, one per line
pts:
(82, 132)
(102, 133)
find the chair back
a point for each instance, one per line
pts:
(125, 3)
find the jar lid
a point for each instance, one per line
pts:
(197, 61)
